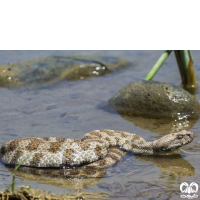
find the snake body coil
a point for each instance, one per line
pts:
(96, 148)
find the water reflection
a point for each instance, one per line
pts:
(162, 125)
(73, 179)
(172, 165)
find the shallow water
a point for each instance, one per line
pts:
(70, 109)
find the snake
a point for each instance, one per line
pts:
(98, 148)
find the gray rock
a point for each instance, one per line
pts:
(154, 99)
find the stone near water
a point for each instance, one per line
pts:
(154, 99)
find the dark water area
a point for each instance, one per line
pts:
(72, 108)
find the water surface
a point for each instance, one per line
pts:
(70, 109)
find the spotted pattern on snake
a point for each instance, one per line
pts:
(99, 148)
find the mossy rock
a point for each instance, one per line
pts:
(154, 99)
(56, 68)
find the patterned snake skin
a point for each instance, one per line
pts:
(97, 148)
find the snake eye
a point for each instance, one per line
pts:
(179, 136)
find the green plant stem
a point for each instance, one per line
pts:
(17, 165)
(190, 56)
(157, 65)
(185, 64)
(11, 185)
(182, 58)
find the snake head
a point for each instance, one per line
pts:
(172, 141)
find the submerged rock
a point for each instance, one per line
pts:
(154, 99)
(53, 69)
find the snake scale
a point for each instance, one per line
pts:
(100, 148)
